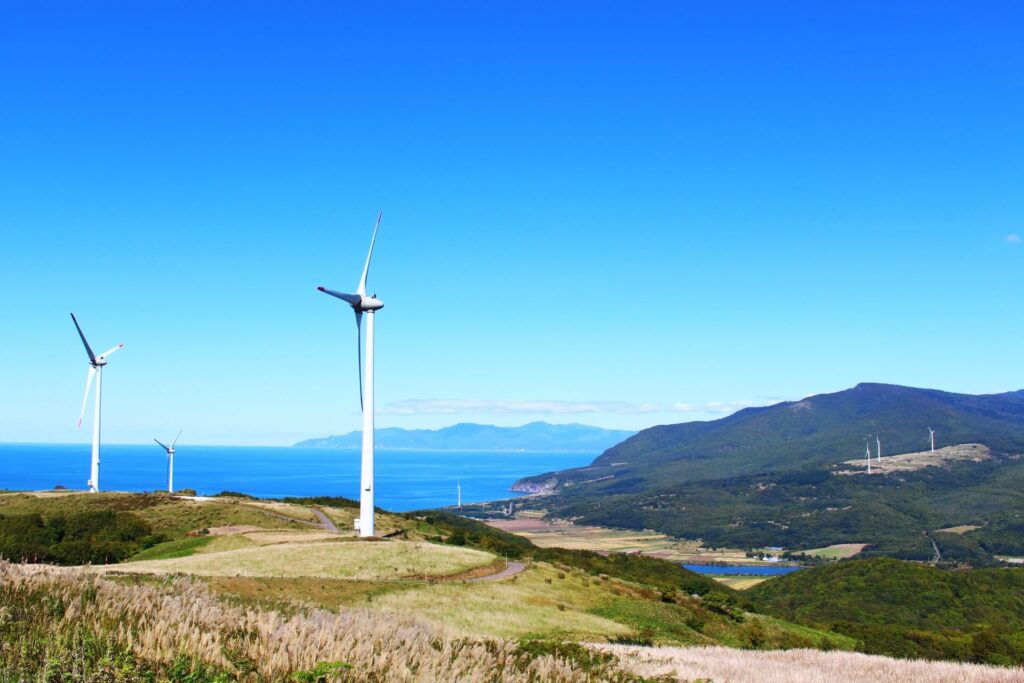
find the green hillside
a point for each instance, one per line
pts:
(907, 609)
(768, 477)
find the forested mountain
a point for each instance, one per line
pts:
(775, 475)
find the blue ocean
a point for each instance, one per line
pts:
(406, 480)
(740, 570)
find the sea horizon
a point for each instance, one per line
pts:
(405, 479)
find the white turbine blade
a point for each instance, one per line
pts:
(88, 349)
(176, 438)
(85, 396)
(106, 354)
(359, 353)
(366, 268)
(161, 444)
(352, 299)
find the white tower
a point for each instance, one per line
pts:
(361, 303)
(96, 365)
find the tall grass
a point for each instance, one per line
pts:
(799, 666)
(63, 624)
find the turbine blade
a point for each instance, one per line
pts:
(85, 396)
(107, 353)
(366, 268)
(352, 299)
(359, 353)
(176, 438)
(161, 444)
(88, 349)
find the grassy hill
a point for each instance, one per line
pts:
(769, 476)
(906, 609)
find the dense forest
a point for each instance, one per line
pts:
(906, 609)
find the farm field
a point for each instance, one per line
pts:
(839, 551)
(555, 534)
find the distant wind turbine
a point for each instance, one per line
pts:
(459, 487)
(878, 444)
(170, 461)
(96, 364)
(867, 453)
(360, 304)
(931, 437)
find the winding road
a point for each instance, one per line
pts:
(511, 569)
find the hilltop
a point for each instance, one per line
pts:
(535, 436)
(769, 476)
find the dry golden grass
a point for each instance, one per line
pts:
(160, 622)
(536, 602)
(726, 665)
(365, 561)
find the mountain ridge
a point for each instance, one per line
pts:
(469, 436)
(769, 476)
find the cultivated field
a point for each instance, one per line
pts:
(908, 462)
(560, 534)
(725, 665)
(366, 561)
(839, 551)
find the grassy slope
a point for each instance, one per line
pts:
(562, 594)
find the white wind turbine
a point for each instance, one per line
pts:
(867, 451)
(361, 303)
(931, 437)
(96, 364)
(878, 445)
(458, 486)
(170, 461)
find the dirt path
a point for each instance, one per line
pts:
(326, 523)
(511, 569)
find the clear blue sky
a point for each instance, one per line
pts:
(611, 213)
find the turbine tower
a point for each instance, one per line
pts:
(361, 303)
(459, 487)
(170, 461)
(878, 445)
(931, 437)
(96, 364)
(867, 453)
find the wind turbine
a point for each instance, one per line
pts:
(459, 487)
(931, 437)
(867, 451)
(96, 364)
(360, 304)
(878, 444)
(170, 461)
